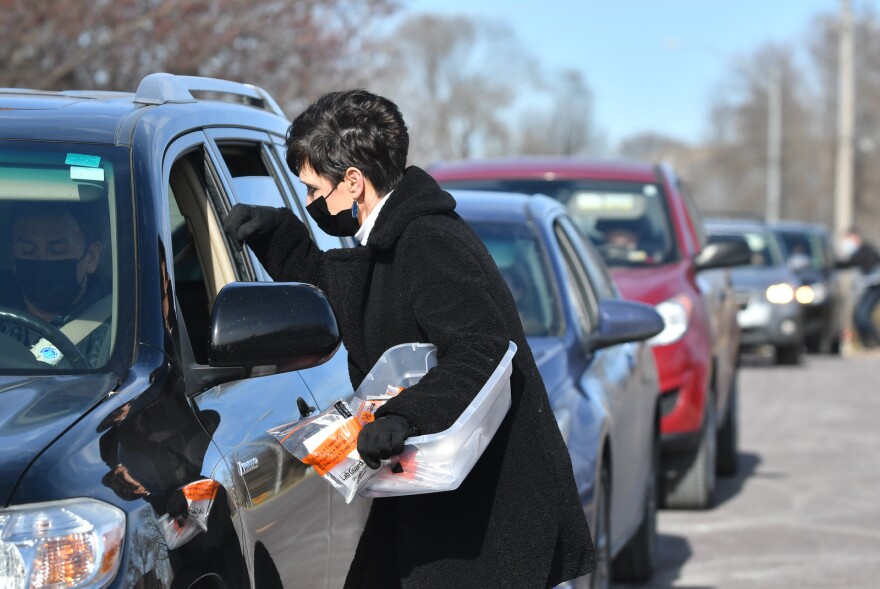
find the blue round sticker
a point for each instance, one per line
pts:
(49, 353)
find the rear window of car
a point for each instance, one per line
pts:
(628, 222)
(520, 258)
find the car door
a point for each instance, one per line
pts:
(616, 368)
(283, 509)
(253, 173)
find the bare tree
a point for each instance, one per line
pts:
(297, 49)
(455, 79)
(566, 127)
(730, 172)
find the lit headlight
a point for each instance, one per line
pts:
(780, 294)
(74, 544)
(811, 294)
(676, 313)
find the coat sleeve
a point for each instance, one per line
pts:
(289, 254)
(450, 293)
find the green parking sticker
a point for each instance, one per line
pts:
(81, 159)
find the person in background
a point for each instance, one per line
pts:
(861, 254)
(423, 275)
(55, 254)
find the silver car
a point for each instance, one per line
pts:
(769, 313)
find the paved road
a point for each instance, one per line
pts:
(805, 510)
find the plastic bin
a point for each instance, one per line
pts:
(440, 461)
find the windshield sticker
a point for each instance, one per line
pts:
(80, 159)
(77, 173)
(649, 190)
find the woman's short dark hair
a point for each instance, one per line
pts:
(350, 128)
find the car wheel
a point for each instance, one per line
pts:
(601, 577)
(728, 457)
(637, 560)
(788, 354)
(694, 485)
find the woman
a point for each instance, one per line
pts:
(424, 276)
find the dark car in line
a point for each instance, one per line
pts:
(807, 247)
(766, 290)
(647, 228)
(600, 375)
(133, 436)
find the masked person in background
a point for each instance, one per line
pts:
(55, 253)
(863, 255)
(424, 276)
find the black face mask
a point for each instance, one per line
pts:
(340, 224)
(51, 285)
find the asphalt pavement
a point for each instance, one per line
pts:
(804, 510)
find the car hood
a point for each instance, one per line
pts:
(751, 277)
(651, 285)
(35, 410)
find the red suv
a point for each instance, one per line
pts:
(650, 234)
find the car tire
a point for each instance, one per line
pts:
(788, 355)
(601, 577)
(637, 560)
(694, 486)
(728, 433)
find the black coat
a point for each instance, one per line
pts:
(425, 276)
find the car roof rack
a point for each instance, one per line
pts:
(164, 88)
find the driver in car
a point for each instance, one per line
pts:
(55, 254)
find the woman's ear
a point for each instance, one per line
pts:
(354, 182)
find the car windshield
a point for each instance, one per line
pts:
(803, 243)
(627, 221)
(59, 283)
(520, 258)
(765, 248)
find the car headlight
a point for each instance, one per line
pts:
(676, 313)
(780, 294)
(811, 294)
(73, 544)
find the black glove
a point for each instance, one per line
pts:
(245, 221)
(177, 506)
(383, 438)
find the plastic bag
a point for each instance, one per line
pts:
(327, 441)
(199, 496)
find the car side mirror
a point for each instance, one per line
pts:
(623, 321)
(261, 328)
(723, 254)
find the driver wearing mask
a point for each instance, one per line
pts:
(55, 254)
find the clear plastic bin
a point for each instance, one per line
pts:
(440, 461)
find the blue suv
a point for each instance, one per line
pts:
(143, 359)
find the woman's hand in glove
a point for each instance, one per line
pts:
(245, 221)
(383, 438)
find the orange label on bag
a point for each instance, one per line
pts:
(335, 448)
(201, 490)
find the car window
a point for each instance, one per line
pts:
(580, 289)
(765, 248)
(202, 261)
(629, 222)
(596, 269)
(522, 262)
(804, 243)
(61, 265)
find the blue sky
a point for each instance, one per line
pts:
(652, 64)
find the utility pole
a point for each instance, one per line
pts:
(843, 181)
(774, 147)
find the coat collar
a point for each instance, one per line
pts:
(416, 195)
